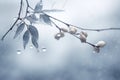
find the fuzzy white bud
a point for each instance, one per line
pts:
(59, 35)
(82, 38)
(72, 30)
(84, 33)
(101, 44)
(64, 30)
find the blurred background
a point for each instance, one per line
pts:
(68, 58)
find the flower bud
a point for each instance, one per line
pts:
(64, 30)
(59, 35)
(72, 30)
(101, 44)
(62, 34)
(82, 38)
(84, 33)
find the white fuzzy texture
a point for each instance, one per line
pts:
(82, 38)
(84, 33)
(101, 43)
(72, 30)
(64, 30)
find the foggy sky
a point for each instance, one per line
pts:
(68, 58)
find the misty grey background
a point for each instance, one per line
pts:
(66, 59)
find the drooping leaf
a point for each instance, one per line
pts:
(32, 18)
(19, 29)
(34, 32)
(45, 18)
(38, 7)
(34, 42)
(26, 37)
(53, 10)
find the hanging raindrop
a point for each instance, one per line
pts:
(31, 46)
(44, 49)
(18, 51)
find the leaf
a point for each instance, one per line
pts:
(32, 18)
(26, 37)
(35, 35)
(19, 29)
(34, 42)
(53, 10)
(45, 18)
(34, 32)
(38, 7)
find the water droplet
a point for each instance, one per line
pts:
(31, 46)
(44, 49)
(18, 51)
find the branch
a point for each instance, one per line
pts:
(57, 19)
(27, 8)
(85, 42)
(28, 5)
(56, 25)
(67, 24)
(73, 34)
(91, 44)
(18, 18)
(98, 30)
(81, 28)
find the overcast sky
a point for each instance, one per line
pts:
(68, 58)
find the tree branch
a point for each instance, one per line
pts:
(18, 18)
(56, 25)
(28, 5)
(27, 8)
(85, 42)
(98, 30)
(81, 28)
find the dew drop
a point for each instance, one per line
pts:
(18, 51)
(44, 49)
(31, 46)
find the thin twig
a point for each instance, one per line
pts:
(27, 8)
(81, 28)
(85, 42)
(72, 34)
(67, 24)
(18, 18)
(57, 19)
(91, 44)
(56, 25)
(28, 5)
(98, 30)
